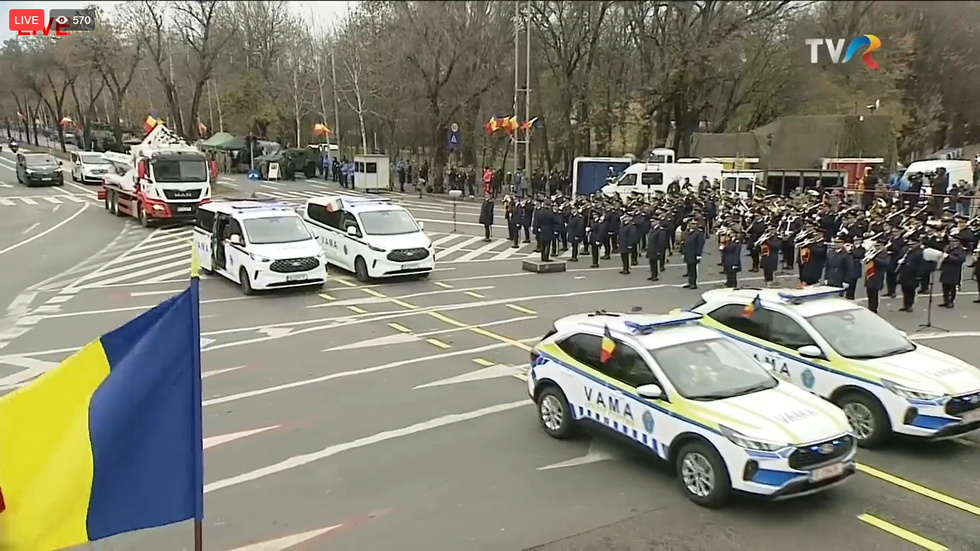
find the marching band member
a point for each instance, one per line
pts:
(627, 241)
(656, 249)
(896, 248)
(692, 247)
(769, 245)
(576, 232)
(908, 267)
(875, 266)
(731, 257)
(951, 272)
(596, 237)
(838, 263)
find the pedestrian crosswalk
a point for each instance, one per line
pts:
(32, 200)
(165, 255)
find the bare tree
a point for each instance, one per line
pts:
(115, 54)
(357, 88)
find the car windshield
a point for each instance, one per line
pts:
(41, 161)
(91, 159)
(276, 229)
(388, 222)
(183, 170)
(860, 335)
(712, 370)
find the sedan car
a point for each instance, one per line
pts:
(39, 169)
(842, 352)
(89, 167)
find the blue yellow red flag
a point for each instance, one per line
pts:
(109, 441)
(151, 122)
(608, 346)
(752, 307)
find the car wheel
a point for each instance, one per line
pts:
(360, 270)
(141, 215)
(703, 476)
(554, 414)
(245, 283)
(869, 420)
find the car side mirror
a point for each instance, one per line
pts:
(61, 163)
(903, 333)
(810, 351)
(352, 231)
(235, 239)
(651, 391)
(421, 226)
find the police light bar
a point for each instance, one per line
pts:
(800, 296)
(670, 320)
(260, 206)
(350, 201)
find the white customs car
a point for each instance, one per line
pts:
(688, 395)
(844, 353)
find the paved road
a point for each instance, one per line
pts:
(394, 415)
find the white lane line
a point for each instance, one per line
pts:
(185, 261)
(486, 248)
(30, 228)
(300, 460)
(288, 542)
(45, 232)
(6, 202)
(53, 200)
(152, 293)
(457, 246)
(445, 239)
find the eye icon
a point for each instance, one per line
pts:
(61, 20)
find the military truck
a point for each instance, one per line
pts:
(301, 160)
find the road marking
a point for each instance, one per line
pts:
(344, 282)
(152, 293)
(213, 441)
(45, 232)
(28, 200)
(6, 202)
(373, 293)
(899, 532)
(443, 285)
(30, 228)
(921, 490)
(437, 343)
(483, 362)
(522, 309)
(305, 459)
(288, 542)
(481, 331)
(474, 295)
(357, 310)
(325, 296)
(403, 304)
(399, 327)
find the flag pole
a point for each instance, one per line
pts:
(199, 417)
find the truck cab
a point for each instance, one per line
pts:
(162, 179)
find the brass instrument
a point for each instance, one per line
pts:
(873, 248)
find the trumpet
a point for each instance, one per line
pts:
(872, 251)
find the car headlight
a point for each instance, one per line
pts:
(32, 172)
(258, 258)
(749, 442)
(376, 249)
(911, 393)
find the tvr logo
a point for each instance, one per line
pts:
(835, 47)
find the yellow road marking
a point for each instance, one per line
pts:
(483, 362)
(898, 532)
(373, 293)
(325, 296)
(357, 310)
(403, 304)
(921, 490)
(482, 331)
(474, 295)
(522, 309)
(443, 285)
(437, 343)
(345, 282)
(399, 327)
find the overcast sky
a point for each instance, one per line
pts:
(326, 10)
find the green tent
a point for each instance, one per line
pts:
(217, 140)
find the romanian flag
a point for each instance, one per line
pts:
(320, 129)
(752, 307)
(608, 346)
(151, 122)
(110, 440)
(509, 124)
(492, 125)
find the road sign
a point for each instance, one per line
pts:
(453, 141)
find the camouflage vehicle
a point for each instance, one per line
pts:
(301, 160)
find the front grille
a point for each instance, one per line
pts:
(294, 265)
(181, 193)
(408, 255)
(807, 457)
(958, 405)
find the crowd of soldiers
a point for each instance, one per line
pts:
(817, 236)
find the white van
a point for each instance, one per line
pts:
(258, 245)
(741, 182)
(957, 170)
(372, 237)
(647, 178)
(89, 167)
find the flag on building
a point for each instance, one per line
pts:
(607, 347)
(151, 122)
(110, 440)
